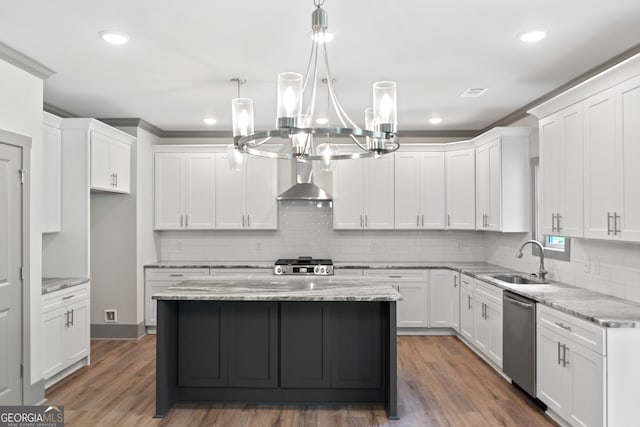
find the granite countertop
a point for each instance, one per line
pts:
(52, 284)
(279, 288)
(602, 309)
(211, 264)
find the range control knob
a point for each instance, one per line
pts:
(316, 269)
(278, 270)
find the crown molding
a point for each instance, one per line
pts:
(22, 61)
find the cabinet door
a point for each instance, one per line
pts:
(101, 173)
(200, 191)
(168, 190)
(629, 158)
(482, 187)
(261, 192)
(571, 173)
(461, 189)
(412, 310)
(441, 299)
(482, 328)
(493, 317)
(407, 191)
(466, 314)
(348, 197)
(378, 193)
(454, 280)
(550, 172)
(76, 339)
(600, 174)
(120, 166)
(586, 386)
(52, 179)
(552, 377)
(53, 326)
(432, 191)
(230, 198)
(152, 310)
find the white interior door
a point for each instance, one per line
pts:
(10, 282)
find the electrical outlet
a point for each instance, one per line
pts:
(110, 315)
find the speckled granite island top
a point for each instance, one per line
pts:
(52, 284)
(279, 288)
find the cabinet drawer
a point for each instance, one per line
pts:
(397, 274)
(466, 282)
(589, 335)
(491, 292)
(240, 271)
(65, 297)
(174, 274)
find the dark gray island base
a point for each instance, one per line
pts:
(304, 341)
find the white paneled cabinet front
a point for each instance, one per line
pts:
(420, 190)
(461, 189)
(442, 299)
(184, 191)
(65, 331)
(246, 199)
(413, 285)
(110, 163)
(51, 174)
(363, 194)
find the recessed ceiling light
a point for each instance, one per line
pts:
(114, 37)
(435, 120)
(473, 92)
(533, 36)
(209, 121)
(325, 37)
(322, 120)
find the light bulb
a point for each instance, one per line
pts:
(289, 100)
(385, 108)
(243, 122)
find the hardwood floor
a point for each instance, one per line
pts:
(440, 383)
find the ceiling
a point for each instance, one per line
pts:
(177, 66)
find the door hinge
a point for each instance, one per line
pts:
(22, 172)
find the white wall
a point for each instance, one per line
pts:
(21, 112)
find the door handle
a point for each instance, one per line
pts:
(448, 220)
(66, 319)
(616, 217)
(520, 303)
(116, 179)
(468, 302)
(553, 223)
(564, 355)
(72, 317)
(366, 220)
(608, 223)
(455, 281)
(186, 221)
(67, 297)
(361, 222)
(559, 353)
(558, 218)
(242, 221)
(181, 220)
(248, 221)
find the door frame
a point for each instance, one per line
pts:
(24, 144)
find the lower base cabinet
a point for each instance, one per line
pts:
(65, 332)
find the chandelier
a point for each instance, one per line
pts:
(296, 113)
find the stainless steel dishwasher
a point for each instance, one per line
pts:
(519, 341)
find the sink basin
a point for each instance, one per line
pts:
(518, 279)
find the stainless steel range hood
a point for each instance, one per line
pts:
(304, 188)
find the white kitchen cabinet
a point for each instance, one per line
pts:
(363, 194)
(159, 279)
(184, 191)
(65, 332)
(444, 295)
(561, 172)
(51, 174)
(502, 180)
(420, 190)
(246, 199)
(467, 302)
(461, 189)
(413, 285)
(110, 162)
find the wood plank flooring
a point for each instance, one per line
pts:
(440, 383)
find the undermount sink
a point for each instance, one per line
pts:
(518, 279)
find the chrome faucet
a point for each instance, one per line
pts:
(542, 273)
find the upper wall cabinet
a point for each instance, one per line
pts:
(461, 189)
(109, 153)
(246, 199)
(561, 172)
(420, 190)
(52, 174)
(184, 191)
(363, 194)
(502, 180)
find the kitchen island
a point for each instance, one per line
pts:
(274, 339)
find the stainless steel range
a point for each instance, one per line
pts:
(303, 265)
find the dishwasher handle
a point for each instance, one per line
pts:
(520, 303)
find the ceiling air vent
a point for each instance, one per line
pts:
(473, 92)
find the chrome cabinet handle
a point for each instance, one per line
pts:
(553, 223)
(175, 275)
(559, 353)
(558, 218)
(67, 297)
(242, 221)
(455, 281)
(186, 221)
(616, 230)
(366, 220)
(423, 220)
(395, 277)
(468, 302)
(608, 223)
(66, 316)
(72, 317)
(116, 186)
(361, 222)
(565, 362)
(448, 220)
(248, 221)
(563, 326)
(519, 303)
(181, 220)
